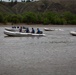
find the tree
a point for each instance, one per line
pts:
(28, 1)
(30, 17)
(1, 18)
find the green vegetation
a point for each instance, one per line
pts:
(40, 18)
(42, 12)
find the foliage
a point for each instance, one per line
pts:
(30, 17)
(69, 17)
(40, 18)
(45, 21)
(16, 19)
(1, 18)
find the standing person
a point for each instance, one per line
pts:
(33, 31)
(27, 30)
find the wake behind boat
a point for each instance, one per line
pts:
(48, 29)
(12, 33)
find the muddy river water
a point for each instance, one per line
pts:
(53, 54)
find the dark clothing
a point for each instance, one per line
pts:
(33, 31)
(38, 31)
(24, 27)
(27, 30)
(17, 26)
(14, 27)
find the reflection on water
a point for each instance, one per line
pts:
(54, 54)
(23, 36)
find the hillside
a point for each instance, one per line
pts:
(40, 6)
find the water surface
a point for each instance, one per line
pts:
(54, 54)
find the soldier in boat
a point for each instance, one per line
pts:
(33, 30)
(27, 30)
(38, 31)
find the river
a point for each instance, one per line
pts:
(53, 54)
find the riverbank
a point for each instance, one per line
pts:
(35, 25)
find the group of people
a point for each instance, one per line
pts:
(32, 31)
(19, 27)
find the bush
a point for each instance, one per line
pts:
(1, 18)
(69, 17)
(39, 18)
(45, 21)
(16, 19)
(30, 17)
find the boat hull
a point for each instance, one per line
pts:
(14, 29)
(49, 29)
(73, 33)
(11, 33)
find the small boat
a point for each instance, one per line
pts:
(73, 33)
(48, 29)
(14, 29)
(16, 33)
